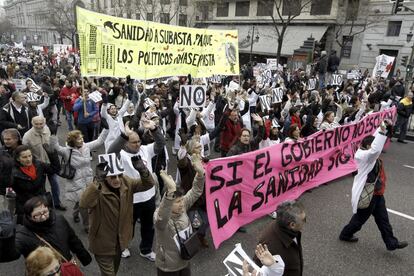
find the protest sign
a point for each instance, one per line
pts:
(113, 46)
(265, 101)
(383, 66)
(277, 94)
(337, 79)
(95, 96)
(114, 166)
(192, 96)
(37, 48)
(215, 79)
(312, 84)
(271, 63)
(61, 48)
(243, 188)
(20, 84)
(234, 261)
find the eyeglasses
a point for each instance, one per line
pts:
(40, 214)
(115, 176)
(55, 271)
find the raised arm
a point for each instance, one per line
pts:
(98, 142)
(163, 213)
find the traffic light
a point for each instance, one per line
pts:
(409, 68)
(398, 6)
(404, 61)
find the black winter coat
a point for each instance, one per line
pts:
(239, 148)
(56, 231)
(27, 188)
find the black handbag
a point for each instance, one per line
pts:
(66, 169)
(188, 247)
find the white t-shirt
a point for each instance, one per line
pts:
(147, 153)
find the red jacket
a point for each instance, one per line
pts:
(69, 269)
(64, 93)
(296, 120)
(230, 133)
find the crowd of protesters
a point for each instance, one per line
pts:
(134, 119)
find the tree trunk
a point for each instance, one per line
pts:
(280, 43)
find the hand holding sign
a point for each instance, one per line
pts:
(246, 267)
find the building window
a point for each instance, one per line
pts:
(150, 17)
(183, 3)
(265, 7)
(182, 20)
(242, 8)
(394, 28)
(165, 18)
(149, 2)
(105, 4)
(137, 16)
(347, 46)
(204, 12)
(291, 7)
(223, 9)
(321, 7)
(92, 4)
(352, 10)
(165, 2)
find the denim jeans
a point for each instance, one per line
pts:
(54, 185)
(69, 119)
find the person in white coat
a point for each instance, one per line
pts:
(114, 118)
(368, 190)
(78, 154)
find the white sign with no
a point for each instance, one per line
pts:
(192, 96)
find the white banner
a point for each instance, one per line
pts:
(61, 48)
(192, 96)
(383, 66)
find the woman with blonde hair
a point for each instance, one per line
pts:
(45, 262)
(78, 154)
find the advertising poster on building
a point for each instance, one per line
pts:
(118, 47)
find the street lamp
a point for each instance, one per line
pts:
(410, 61)
(253, 40)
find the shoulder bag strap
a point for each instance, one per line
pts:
(70, 156)
(178, 235)
(51, 247)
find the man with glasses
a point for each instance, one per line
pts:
(109, 200)
(283, 237)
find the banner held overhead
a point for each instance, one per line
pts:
(112, 46)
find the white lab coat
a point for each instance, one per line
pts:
(365, 160)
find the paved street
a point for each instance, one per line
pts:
(328, 209)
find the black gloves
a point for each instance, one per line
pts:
(104, 123)
(104, 98)
(48, 149)
(390, 128)
(139, 165)
(52, 127)
(101, 171)
(6, 224)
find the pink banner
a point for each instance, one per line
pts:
(243, 188)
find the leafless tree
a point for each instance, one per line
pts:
(62, 20)
(355, 21)
(286, 12)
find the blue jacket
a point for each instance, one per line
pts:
(90, 108)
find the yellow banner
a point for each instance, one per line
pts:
(113, 46)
